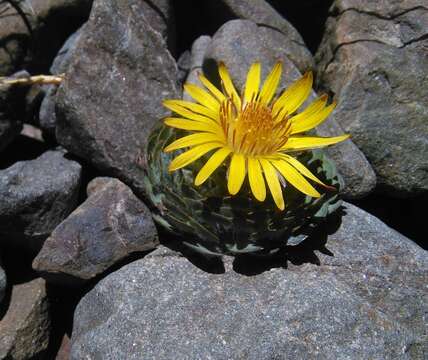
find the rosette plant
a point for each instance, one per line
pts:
(236, 173)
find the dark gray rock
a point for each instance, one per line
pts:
(36, 195)
(32, 31)
(263, 14)
(373, 57)
(25, 327)
(371, 294)
(12, 110)
(47, 116)
(240, 43)
(112, 96)
(108, 227)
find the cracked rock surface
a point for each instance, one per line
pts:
(109, 226)
(373, 56)
(369, 290)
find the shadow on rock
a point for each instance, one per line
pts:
(254, 264)
(210, 264)
(299, 254)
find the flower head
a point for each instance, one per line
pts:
(256, 131)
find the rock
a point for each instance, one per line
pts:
(264, 15)
(3, 282)
(160, 16)
(112, 95)
(107, 228)
(36, 195)
(197, 54)
(183, 66)
(366, 287)
(64, 350)
(25, 326)
(360, 178)
(31, 32)
(32, 132)
(371, 57)
(12, 113)
(240, 43)
(47, 116)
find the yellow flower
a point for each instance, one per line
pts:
(255, 131)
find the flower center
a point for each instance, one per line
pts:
(253, 130)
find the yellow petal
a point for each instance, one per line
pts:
(301, 168)
(184, 124)
(253, 82)
(192, 140)
(202, 96)
(291, 99)
(292, 176)
(210, 86)
(191, 155)
(304, 122)
(185, 108)
(311, 142)
(236, 173)
(211, 165)
(273, 183)
(271, 84)
(228, 85)
(255, 176)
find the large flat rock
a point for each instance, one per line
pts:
(112, 96)
(373, 57)
(360, 295)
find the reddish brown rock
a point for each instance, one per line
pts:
(25, 327)
(108, 227)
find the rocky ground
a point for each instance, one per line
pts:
(85, 273)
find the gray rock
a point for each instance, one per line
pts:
(3, 282)
(108, 227)
(12, 110)
(264, 15)
(199, 48)
(368, 301)
(238, 44)
(25, 327)
(359, 176)
(112, 95)
(32, 31)
(183, 66)
(36, 195)
(373, 57)
(47, 116)
(159, 15)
